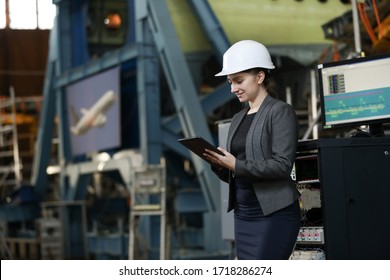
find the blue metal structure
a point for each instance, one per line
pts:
(151, 41)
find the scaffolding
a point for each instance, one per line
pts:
(10, 163)
(148, 198)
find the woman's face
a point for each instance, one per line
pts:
(246, 85)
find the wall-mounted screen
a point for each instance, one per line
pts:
(94, 112)
(355, 92)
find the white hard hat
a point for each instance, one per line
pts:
(244, 55)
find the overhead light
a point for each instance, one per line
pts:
(107, 25)
(113, 21)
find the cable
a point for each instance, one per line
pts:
(336, 55)
(370, 31)
(378, 21)
(366, 23)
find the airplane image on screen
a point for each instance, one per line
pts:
(94, 116)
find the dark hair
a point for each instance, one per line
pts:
(269, 82)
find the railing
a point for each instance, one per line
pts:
(20, 248)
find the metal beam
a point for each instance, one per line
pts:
(108, 60)
(220, 43)
(44, 137)
(185, 96)
(148, 89)
(211, 27)
(209, 103)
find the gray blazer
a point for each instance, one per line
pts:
(271, 145)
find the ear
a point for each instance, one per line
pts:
(260, 77)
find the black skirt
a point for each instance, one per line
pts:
(259, 237)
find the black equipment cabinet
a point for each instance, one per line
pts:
(354, 180)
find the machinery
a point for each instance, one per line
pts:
(143, 196)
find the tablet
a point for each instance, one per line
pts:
(198, 145)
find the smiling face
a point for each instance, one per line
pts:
(247, 86)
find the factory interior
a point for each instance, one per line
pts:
(93, 106)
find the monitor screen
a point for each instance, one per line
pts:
(355, 92)
(94, 112)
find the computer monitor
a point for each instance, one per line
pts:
(355, 92)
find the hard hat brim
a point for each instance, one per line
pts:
(223, 73)
(227, 72)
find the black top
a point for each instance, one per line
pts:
(239, 138)
(246, 203)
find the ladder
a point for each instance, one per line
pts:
(148, 198)
(10, 165)
(5, 252)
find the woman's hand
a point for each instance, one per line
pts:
(227, 160)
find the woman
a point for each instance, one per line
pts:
(259, 157)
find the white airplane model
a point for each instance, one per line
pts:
(94, 116)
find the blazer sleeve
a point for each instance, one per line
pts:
(221, 172)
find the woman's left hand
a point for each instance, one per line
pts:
(227, 160)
